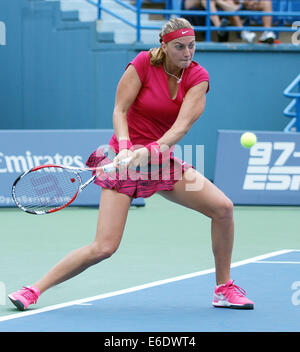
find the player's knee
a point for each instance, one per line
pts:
(224, 210)
(102, 252)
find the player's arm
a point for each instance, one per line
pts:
(190, 111)
(127, 91)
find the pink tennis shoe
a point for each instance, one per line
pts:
(225, 296)
(231, 296)
(24, 297)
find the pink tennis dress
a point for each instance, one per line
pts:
(149, 117)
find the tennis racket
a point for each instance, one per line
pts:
(48, 188)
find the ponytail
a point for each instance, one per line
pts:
(157, 56)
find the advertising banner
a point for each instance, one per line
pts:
(21, 150)
(268, 173)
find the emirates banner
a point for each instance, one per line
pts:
(21, 150)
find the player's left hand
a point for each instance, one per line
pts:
(140, 157)
(124, 154)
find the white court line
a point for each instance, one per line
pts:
(274, 262)
(140, 287)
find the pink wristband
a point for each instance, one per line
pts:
(153, 148)
(156, 155)
(154, 151)
(125, 144)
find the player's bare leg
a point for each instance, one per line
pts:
(198, 193)
(112, 217)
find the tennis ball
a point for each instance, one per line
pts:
(248, 139)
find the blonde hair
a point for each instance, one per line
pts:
(157, 55)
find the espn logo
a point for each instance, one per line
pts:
(2, 33)
(273, 174)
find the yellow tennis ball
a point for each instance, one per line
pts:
(248, 139)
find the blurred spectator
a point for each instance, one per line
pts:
(233, 5)
(226, 5)
(252, 5)
(196, 5)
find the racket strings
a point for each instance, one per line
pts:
(46, 189)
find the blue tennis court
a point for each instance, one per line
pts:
(181, 304)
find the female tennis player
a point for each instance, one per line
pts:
(160, 96)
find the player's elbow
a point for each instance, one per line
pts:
(119, 113)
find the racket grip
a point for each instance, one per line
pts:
(110, 167)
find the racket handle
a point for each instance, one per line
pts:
(110, 167)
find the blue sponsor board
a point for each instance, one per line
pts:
(266, 174)
(21, 150)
